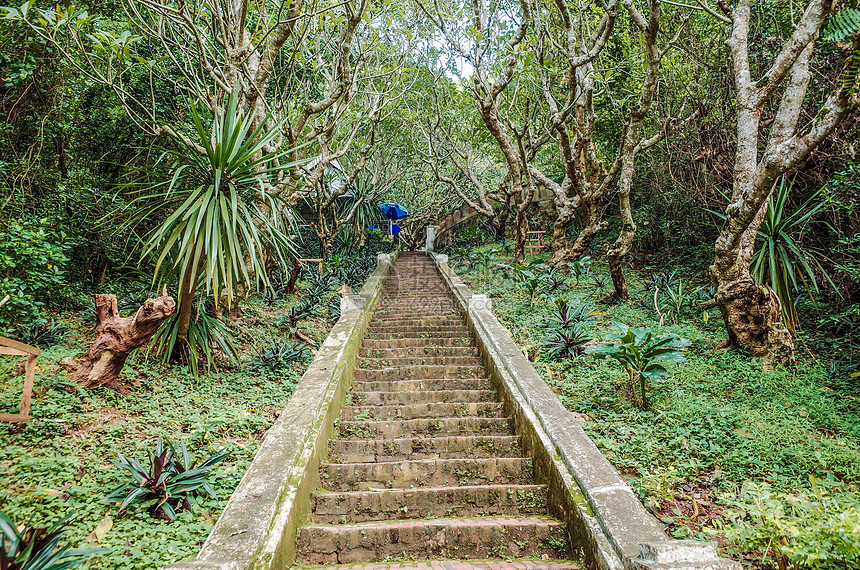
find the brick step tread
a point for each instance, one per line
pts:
(420, 372)
(429, 410)
(425, 473)
(430, 426)
(409, 448)
(441, 502)
(476, 537)
(416, 318)
(422, 334)
(386, 312)
(424, 385)
(383, 328)
(470, 564)
(369, 362)
(419, 351)
(419, 342)
(401, 397)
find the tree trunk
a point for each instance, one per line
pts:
(186, 307)
(753, 318)
(559, 231)
(294, 277)
(522, 234)
(117, 337)
(592, 226)
(622, 245)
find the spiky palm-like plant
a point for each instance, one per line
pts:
(782, 262)
(222, 220)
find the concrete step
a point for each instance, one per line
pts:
(371, 363)
(422, 385)
(418, 342)
(431, 410)
(420, 372)
(425, 473)
(419, 351)
(436, 502)
(401, 397)
(420, 330)
(385, 312)
(367, 429)
(442, 538)
(425, 335)
(410, 448)
(418, 319)
(452, 564)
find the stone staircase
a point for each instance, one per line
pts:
(424, 465)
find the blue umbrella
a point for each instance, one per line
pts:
(393, 211)
(395, 229)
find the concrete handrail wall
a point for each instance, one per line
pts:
(257, 529)
(605, 521)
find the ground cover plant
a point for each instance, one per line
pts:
(80, 457)
(764, 459)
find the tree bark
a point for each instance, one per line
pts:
(117, 337)
(186, 307)
(752, 312)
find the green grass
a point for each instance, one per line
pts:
(719, 420)
(57, 463)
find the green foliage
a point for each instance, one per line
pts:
(222, 221)
(32, 270)
(37, 548)
(566, 342)
(41, 333)
(669, 294)
(276, 356)
(818, 528)
(580, 267)
(169, 483)
(842, 25)
(568, 313)
(205, 332)
(781, 261)
(641, 352)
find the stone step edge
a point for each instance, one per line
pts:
(457, 564)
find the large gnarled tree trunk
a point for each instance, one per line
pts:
(752, 311)
(117, 337)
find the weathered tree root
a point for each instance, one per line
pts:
(117, 337)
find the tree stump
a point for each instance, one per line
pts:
(117, 337)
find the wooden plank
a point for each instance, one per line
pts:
(12, 351)
(8, 342)
(13, 418)
(29, 375)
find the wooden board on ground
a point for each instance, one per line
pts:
(14, 348)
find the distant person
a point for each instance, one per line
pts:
(412, 244)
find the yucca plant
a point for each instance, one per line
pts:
(782, 262)
(169, 483)
(221, 219)
(38, 548)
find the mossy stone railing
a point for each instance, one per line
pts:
(607, 525)
(257, 529)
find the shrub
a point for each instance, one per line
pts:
(819, 528)
(642, 353)
(37, 548)
(169, 484)
(275, 357)
(32, 261)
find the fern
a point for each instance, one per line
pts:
(843, 24)
(840, 27)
